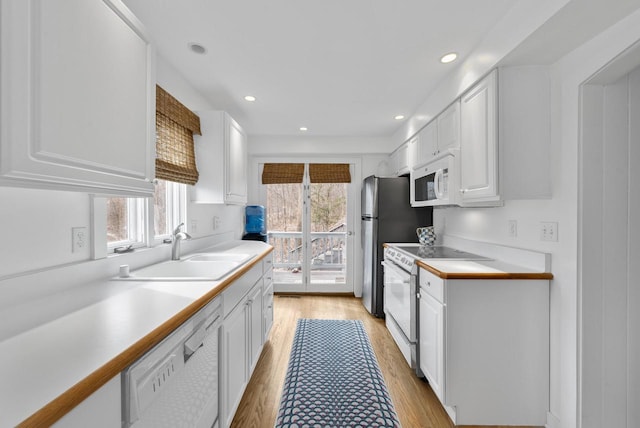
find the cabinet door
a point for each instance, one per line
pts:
(402, 159)
(432, 342)
(235, 365)
(449, 128)
(78, 97)
(267, 304)
(427, 142)
(254, 309)
(478, 142)
(236, 163)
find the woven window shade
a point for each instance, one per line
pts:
(282, 173)
(329, 173)
(175, 126)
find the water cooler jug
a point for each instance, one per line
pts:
(255, 228)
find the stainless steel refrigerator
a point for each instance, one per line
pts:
(387, 216)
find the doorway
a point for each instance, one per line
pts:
(309, 217)
(609, 246)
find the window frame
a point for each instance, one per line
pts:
(176, 200)
(137, 213)
(140, 213)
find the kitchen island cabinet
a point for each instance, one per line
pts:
(484, 342)
(77, 112)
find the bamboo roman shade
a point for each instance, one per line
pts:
(329, 173)
(282, 173)
(175, 126)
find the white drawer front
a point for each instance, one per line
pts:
(432, 284)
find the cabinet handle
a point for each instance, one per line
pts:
(463, 190)
(428, 283)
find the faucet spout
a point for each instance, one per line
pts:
(175, 242)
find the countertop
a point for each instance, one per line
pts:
(480, 269)
(48, 370)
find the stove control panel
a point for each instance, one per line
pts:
(399, 258)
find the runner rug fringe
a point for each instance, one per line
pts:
(333, 379)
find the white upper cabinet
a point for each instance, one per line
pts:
(427, 143)
(404, 157)
(479, 143)
(78, 97)
(505, 137)
(440, 134)
(449, 128)
(221, 157)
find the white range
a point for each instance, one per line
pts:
(401, 290)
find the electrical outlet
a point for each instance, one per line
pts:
(513, 228)
(194, 226)
(216, 222)
(549, 231)
(79, 239)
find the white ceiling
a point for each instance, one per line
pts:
(338, 67)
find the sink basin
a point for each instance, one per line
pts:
(216, 257)
(198, 267)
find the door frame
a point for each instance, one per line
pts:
(353, 212)
(608, 304)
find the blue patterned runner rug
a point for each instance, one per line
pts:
(333, 379)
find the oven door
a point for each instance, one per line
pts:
(399, 298)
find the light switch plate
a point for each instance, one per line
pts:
(549, 231)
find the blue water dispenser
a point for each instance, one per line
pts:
(255, 228)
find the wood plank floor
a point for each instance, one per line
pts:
(415, 402)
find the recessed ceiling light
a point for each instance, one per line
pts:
(399, 117)
(304, 128)
(197, 48)
(250, 98)
(450, 57)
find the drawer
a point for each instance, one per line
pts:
(236, 291)
(267, 262)
(431, 284)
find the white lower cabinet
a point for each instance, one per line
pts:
(243, 335)
(484, 348)
(254, 311)
(234, 365)
(267, 304)
(432, 342)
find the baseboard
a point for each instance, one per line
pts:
(552, 421)
(301, 294)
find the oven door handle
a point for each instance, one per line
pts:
(401, 273)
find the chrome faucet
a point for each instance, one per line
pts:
(175, 241)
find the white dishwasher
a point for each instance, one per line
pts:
(175, 384)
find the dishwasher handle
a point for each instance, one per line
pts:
(196, 340)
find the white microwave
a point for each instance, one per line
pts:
(436, 182)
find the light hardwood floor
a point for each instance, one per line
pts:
(415, 402)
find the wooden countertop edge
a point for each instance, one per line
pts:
(64, 403)
(485, 275)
